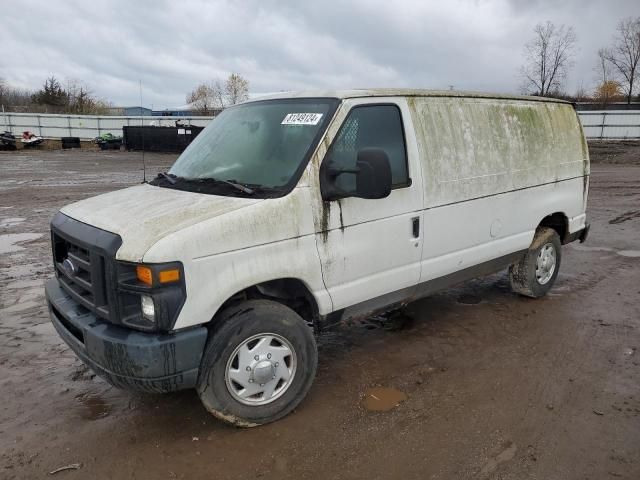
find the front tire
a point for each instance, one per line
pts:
(535, 273)
(258, 365)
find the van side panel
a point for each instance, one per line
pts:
(464, 234)
(476, 147)
(492, 170)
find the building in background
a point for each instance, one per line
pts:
(183, 111)
(130, 111)
(187, 110)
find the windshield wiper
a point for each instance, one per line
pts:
(233, 183)
(177, 182)
(168, 177)
(239, 186)
(258, 188)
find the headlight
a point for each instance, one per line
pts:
(150, 295)
(148, 308)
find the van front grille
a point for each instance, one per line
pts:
(81, 273)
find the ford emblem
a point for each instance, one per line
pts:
(69, 267)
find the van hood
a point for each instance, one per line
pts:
(144, 214)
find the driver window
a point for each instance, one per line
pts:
(374, 126)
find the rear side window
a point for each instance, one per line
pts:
(370, 126)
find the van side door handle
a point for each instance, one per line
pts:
(415, 226)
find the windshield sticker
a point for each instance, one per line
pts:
(302, 119)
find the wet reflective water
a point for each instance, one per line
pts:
(382, 399)
(9, 242)
(93, 407)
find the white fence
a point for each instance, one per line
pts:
(611, 124)
(84, 126)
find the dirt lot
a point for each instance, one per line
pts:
(497, 386)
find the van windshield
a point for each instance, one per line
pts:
(261, 146)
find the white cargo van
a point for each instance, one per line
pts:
(293, 212)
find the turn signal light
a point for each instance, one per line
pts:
(168, 276)
(144, 274)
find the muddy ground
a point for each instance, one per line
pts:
(496, 386)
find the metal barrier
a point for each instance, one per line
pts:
(610, 124)
(85, 127)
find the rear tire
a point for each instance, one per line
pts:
(258, 365)
(535, 273)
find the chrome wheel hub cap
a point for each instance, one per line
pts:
(263, 372)
(260, 369)
(545, 263)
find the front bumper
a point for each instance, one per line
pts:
(151, 362)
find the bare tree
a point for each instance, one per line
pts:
(206, 98)
(624, 55)
(14, 98)
(603, 68)
(218, 90)
(604, 77)
(548, 56)
(201, 99)
(236, 89)
(581, 94)
(3, 90)
(81, 100)
(78, 95)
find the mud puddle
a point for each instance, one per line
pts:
(11, 222)
(93, 407)
(382, 399)
(9, 242)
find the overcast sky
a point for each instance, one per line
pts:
(290, 45)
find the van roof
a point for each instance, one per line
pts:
(400, 92)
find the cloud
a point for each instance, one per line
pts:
(171, 46)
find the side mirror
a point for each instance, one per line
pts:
(373, 176)
(373, 179)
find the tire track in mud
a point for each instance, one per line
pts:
(625, 217)
(564, 386)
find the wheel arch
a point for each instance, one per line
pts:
(559, 222)
(289, 291)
